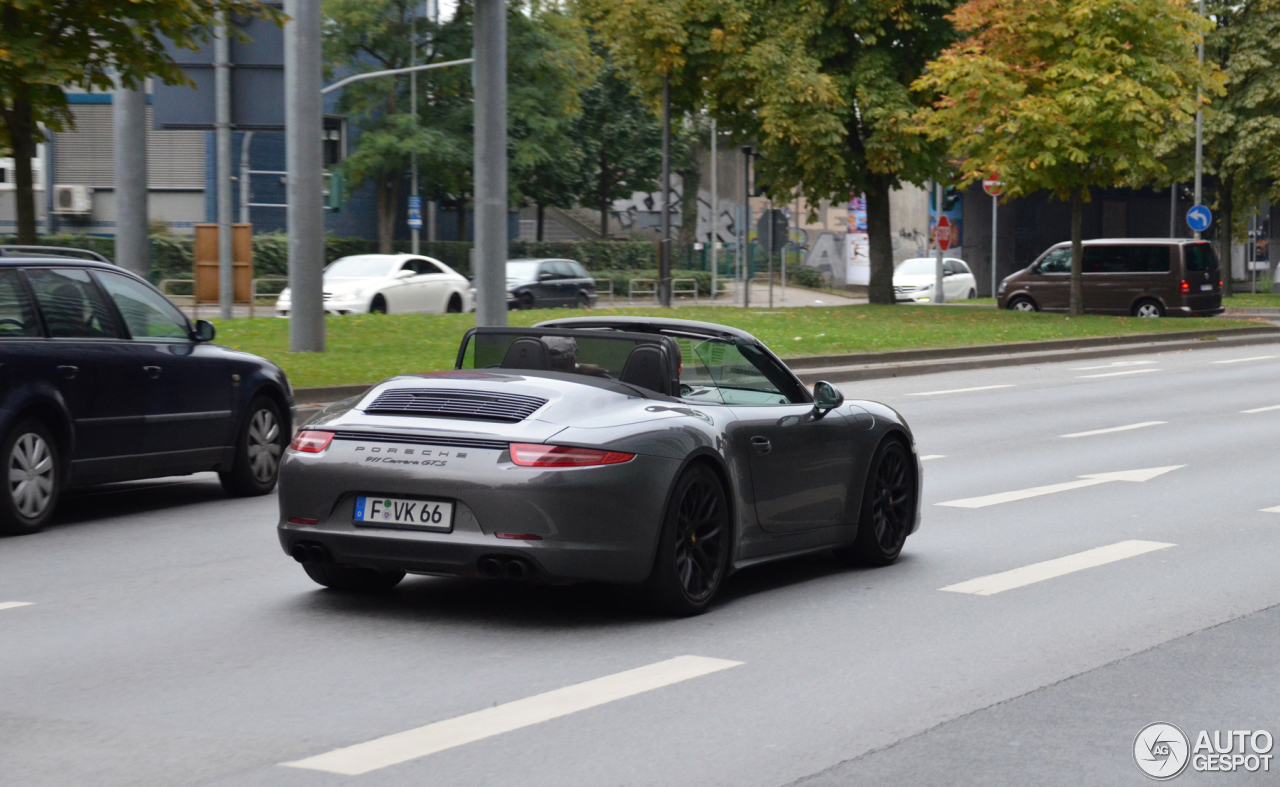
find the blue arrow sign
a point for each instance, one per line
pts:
(1199, 218)
(415, 213)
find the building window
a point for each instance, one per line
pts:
(335, 141)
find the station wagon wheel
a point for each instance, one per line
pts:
(583, 301)
(33, 478)
(888, 507)
(693, 548)
(1148, 308)
(259, 445)
(1023, 304)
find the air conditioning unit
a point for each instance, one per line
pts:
(72, 199)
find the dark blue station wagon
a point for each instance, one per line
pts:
(103, 379)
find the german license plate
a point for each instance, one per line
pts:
(398, 512)
(1206, 287)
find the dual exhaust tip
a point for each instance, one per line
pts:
(500, 567)
(310, 552)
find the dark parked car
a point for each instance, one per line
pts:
(1151, 277)
(103, 379)
(541, 284)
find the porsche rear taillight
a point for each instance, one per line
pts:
(1184, 286)
(309, 442)
(535, 455)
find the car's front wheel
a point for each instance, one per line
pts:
(693, 547)
(583, 302)
(378, 305)
(888, 508)
(259, 444)
(1023, 304)
(34, 478)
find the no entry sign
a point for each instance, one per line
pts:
(992, 185)
(943, 232)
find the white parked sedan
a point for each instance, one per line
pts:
(914, 280)
(389, 284)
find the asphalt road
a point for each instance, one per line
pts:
(168, 641)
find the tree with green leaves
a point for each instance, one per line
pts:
(822, 87)
(619, 138)
(1066, 95)
(49, 45)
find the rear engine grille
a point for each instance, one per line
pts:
(421, 439)
(453, 403)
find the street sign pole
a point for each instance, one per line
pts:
(715, 199)
(129, 109)
(1200, 137)
(664, 255)
(413, 110)
(304, 184)
(490, 42)
(938, 296)
(222, 109)
(994, 187)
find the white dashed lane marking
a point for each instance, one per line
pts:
(960, 390)
(1242, 360)
(1049, 569)
(14, 604)
(1273, 510)
(1116, 374)
(1115, 429)
(1262, 409)
(412, 744)
(927, 457)
(1115, 365)
(1093, 479)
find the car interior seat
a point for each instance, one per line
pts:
(527, 352)
(647, 367)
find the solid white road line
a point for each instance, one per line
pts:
(1262, 409)
(960, 390)
(13, 604)
(1242, 360)
(412, 744)
(1116, 374)
(1115, 429)
(1275, 510)
(1039, 572)
(932, 456)
(1135, 476)
(1112, 365)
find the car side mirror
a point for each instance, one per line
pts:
(826, 397)
(948, 273)
(405, 274)
(204, 331)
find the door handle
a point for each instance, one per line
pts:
(152, 371)
(68, 372)
(761, 445)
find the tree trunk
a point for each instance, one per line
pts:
(880, 239)
(1226, 206)
(1077, 253)
(21, 125)
(541, 219)
(604, 196)
(388, 193)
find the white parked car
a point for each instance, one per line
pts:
(390, 284)
(914, 280)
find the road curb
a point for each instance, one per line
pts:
(899, 363)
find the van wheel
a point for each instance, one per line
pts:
(33, 479)
(1023, 304)
(1148, 308)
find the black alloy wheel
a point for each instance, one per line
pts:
(888, 507)
(33, 478)
(693, 548)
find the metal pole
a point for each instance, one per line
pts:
(995, 208)
(938, 296)
(490, 42)
(664, 262)
(746, 226)
(129, 110)
(246, 194)
(413, 110)
(1173, 210)
(304, 122)
(768, 254)
(222, 126)
(715, 214)
(1200, 139)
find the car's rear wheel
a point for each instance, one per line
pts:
(972, 294)
(583, 301)
(1023, 304)
(455, 304)
(693, 547)
(378, 305)
(33, 479)
(259, 446)
(526, 301)
(888, 508)
(356, 579)
(1148, 308)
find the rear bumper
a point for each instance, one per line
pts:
(593, 523)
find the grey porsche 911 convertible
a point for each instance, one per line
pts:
(664, 453)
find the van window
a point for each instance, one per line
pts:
(1057, 261)
(1126, 259)
(1201, 257)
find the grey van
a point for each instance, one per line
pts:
(1143, 277)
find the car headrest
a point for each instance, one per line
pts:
(648, 367)
(527, 353)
